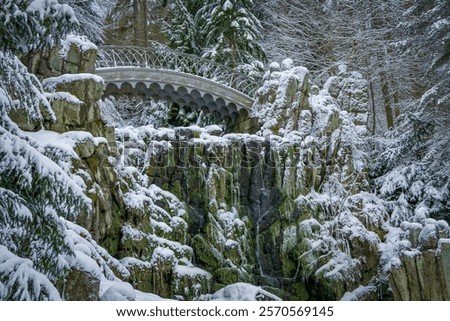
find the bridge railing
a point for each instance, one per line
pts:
(158, 56)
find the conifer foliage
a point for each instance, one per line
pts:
(36, 194)
(183, 32)
(414, 157)
(27, 25)
(225, 31)
(232, 32)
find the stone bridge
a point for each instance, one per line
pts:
(159, 72)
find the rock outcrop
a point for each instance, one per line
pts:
(250, 198)
(75, 98)
(281, 104)
(423, 269)
(73, 56)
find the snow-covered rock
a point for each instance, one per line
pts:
(242, 292)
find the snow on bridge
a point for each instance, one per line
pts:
(159, 72)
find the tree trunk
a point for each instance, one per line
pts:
(145, 22)
(387, 100)
(233, 58)
(374, 111)
(136, 22)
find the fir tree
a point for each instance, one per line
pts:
(232, 33)
(90, 22)
(183, 30)
(27, 25)
(36, 195)
(413, 160)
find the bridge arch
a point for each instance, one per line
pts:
(185, 89)
(159, 72)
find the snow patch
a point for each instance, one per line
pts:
(81, 42)
(51, 83)
(242, 292)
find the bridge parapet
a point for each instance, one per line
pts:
(158, 56)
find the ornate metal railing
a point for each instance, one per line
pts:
(159, 56)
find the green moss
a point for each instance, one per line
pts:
(135, 247)
(233, 253)
(112, 244)
(287, 207)
(227, 275)
(206, 254)
(217, 286)
(288, 266)
(177, 189)
(141, 277)
(81, 286)
(299, 292)
(195, 189)
(162, 276)
(275, 231)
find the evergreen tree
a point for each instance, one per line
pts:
(35, 192)
(232, 33)
(90, 22)
(413, 160)
(27, 25)
(183, 30)
(428, 37)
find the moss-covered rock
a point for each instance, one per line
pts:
(141, 276)
(282, 97)
(191, 282)
(24, 121)
(206, 254)
(74, 56)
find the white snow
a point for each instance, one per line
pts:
(213, 128)
(27, 159)
(51, 83)
(428, 232)
(241, 292)
(85, 263)
(65, 141)
(440, 24)
(119, 292)
(359, 293)
(227, 6)
(61, 95)
(83, 242)
(18, 274)
(80, 41)
(191, 271)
